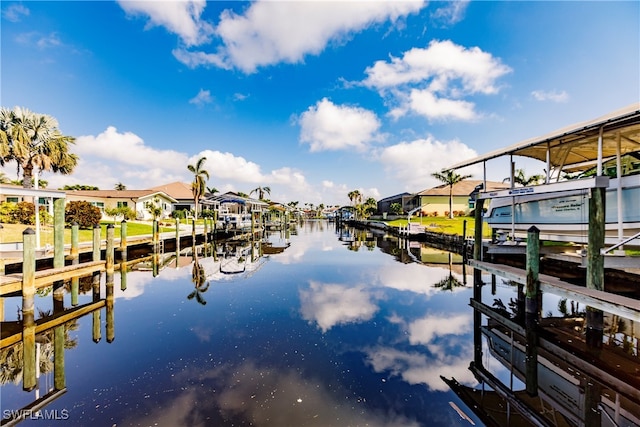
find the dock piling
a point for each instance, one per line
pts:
(532, 309)
(28, 318)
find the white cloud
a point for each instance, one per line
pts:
(330, 304)
(426, 104)
(112, 157)
(38, 40)
(327, 126)
(203, 97)
(412, 163)
(451, 13)
(179, 17)
(270, 32)
(428, 81)
(15, 12)
(553, 95)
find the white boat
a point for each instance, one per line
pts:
(561, 211)
(605, 152)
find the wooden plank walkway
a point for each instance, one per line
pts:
(12, 283)
(612, 303)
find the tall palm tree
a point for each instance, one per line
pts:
(34, 141)
(198, 186)
(449, 177)
(261, 191)
(120, 187)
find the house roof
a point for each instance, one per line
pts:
(18, 190)
(462, 188)
(231, 197)
(178, 190)
(397, 196)
(119, 194)
(576, 144)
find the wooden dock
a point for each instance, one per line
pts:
(602, 300)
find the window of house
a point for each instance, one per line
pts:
(122, 204)
(13, 199)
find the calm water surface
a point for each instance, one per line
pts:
(320, 327)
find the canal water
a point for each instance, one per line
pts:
(316, 326)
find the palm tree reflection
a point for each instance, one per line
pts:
(199, 279)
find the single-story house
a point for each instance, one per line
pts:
(181, 192)
(435, 201)
(136, 200)
(406, 200)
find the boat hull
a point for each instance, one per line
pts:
(565, 216)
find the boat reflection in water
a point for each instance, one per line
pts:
(575, 384)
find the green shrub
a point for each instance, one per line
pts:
(85, 214)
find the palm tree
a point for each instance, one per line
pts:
(212, 190)
(120, 187)
(520, 178)
(449, 177)
(34, 141)
(198, 186)
(199, 279)
(261, 191)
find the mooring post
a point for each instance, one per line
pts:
(123, 240)
(109, 296)
(28, 315)
(193, 232)
(59, 381)
(95, 279)
(96, 243)
(109, 299)
(96, 332)
(109, 256)
(206, 230)
(58, 233)
(532, 309)
(75, 253)
(595, 264)
(75, 259)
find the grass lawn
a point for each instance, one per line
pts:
(441, 224)
(13, 232)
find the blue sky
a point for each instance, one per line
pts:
(312, 99)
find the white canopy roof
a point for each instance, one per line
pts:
(577, 145)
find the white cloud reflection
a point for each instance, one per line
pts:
(329, 304)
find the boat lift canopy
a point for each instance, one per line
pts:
(576, 147)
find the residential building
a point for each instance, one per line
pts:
(137, 200)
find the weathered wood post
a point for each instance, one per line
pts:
(74, 255)
(58, 233)
(59, 381)
(109, 295)
(96, 331)
(177, 242)
(109, 256)
(595, 264)
(58, 252)
(28, 309)
(123, 240)
(193, 232)
(96, 254)
(532, 310)
(109, 299)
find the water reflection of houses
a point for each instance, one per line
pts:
(555, 376)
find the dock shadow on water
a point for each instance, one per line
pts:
(316, 326)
